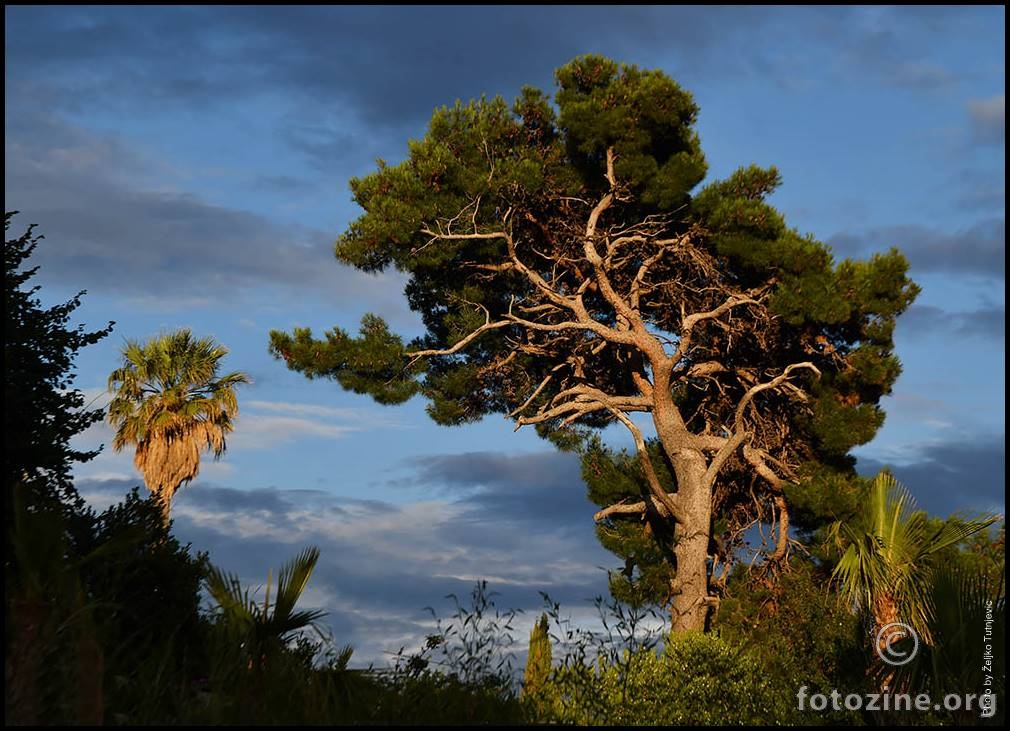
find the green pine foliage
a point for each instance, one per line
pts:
(643, 547)
(489, 214)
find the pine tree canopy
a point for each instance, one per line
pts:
(571, 269)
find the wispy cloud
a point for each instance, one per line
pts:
(988, 119)
(369, 417)
(383, 563)
(952, 474)
(270, 424)
(979, 249)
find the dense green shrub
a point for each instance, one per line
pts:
(798, 629)
(696, 680)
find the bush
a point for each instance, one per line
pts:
(696, 680)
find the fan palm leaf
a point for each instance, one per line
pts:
(888, 552)
(171, 406)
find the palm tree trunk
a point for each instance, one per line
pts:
(885, 632)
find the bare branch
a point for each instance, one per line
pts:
(536, 392)
(732, 444)
(662, 496)
(583, 400)
(607, 333)
(708, 368)
(774, 383)
(689, 322)
(416, 354)
(782, 545)
(621, 508)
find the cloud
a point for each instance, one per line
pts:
(317, 410)
(979, 249)
(541, 488)
(285, 422)
(925, 320)
(108, 231)
(953, 475)
(383, 563)
(383, 62)
(988, 120)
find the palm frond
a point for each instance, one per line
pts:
(292, 579)
(169, 404)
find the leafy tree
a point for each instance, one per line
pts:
(170, 403)
(889, 550)
(42, 412)
(538, 659)
(569, 275)
(43, 513)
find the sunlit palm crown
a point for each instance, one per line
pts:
(170, 404)
(890, 548)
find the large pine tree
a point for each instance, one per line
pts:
(570, 274)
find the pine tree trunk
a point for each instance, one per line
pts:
(689, 610)
(691, 604)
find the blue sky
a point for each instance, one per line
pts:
(189, 167)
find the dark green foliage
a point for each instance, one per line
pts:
(799, 631)
(538, 658)
(558, 251)
(643, 546)
(105, 625)
(146, 589)
(358, 365)
(42, 411)
(697, 680)
(658, 150)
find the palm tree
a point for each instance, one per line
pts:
(889, 551)
(261, 630)
(968, 613)
(170, 403)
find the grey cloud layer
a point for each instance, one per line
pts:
(541, 487)
(107, 231)
(978, 250)
(395, 63)
(963, 475)
(525, 526)
(987, 322)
